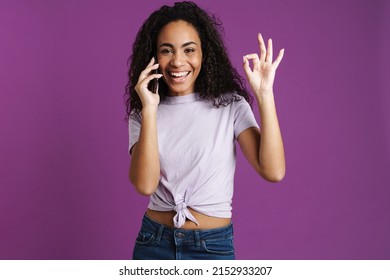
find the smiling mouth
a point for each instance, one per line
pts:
(179, 74)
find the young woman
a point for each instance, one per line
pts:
(182, 134)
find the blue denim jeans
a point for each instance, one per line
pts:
(158, 242)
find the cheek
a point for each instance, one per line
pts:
(197, 63)
(162, 61)
(200, 60)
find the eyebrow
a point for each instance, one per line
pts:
(171, 46)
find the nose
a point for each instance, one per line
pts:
(177, 60)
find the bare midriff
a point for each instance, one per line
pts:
(205, 222)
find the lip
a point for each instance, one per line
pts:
(178, 79)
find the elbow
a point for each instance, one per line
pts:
(143, 187)
(274, 176)
(145, 191)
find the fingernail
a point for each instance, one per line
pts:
(243, 59)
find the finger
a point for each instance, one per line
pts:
(151, 61)
(268, 57)
(262, 47)
(143, 85)
(150, 66)
(147, 70)
(279, 58)
(146, 81)
(246, 66)
(255, 59)
(252, 56)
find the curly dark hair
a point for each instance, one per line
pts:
(217, 75)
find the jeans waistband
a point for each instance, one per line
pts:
(183, 235)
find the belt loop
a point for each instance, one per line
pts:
(159, 234)
(197, 238)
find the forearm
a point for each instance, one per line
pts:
(145, 163)
(271, 150)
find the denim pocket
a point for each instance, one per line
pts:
(223, 246)
(145, 237)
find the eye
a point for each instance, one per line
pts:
(189, 50)
(165, 51)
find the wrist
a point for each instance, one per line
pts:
(149, 110)
(265, 96)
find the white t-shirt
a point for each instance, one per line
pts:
(197, 154)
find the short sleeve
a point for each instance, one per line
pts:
(134, 129)
(243, 117)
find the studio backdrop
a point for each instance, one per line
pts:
(64, 188)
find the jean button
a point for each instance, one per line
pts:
(179, 234)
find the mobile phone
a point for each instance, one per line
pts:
(154, 82)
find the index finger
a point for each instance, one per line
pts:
(263, 50)
(148, 69)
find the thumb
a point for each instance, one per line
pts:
(246, 66)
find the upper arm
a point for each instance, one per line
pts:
(249, 140)
(134, 131)
(132, 148)
(270, 169)
(133, 151)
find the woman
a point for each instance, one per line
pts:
(182, 137)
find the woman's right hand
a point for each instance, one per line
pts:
(148, 98)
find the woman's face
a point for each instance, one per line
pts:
(179, 54)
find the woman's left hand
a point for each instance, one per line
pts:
(261, 77)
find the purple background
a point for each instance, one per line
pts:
(64, 191)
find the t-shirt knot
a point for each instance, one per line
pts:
(180, 207)
(182, 212)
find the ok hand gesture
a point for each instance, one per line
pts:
(261, 77)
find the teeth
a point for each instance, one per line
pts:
(178, 74)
